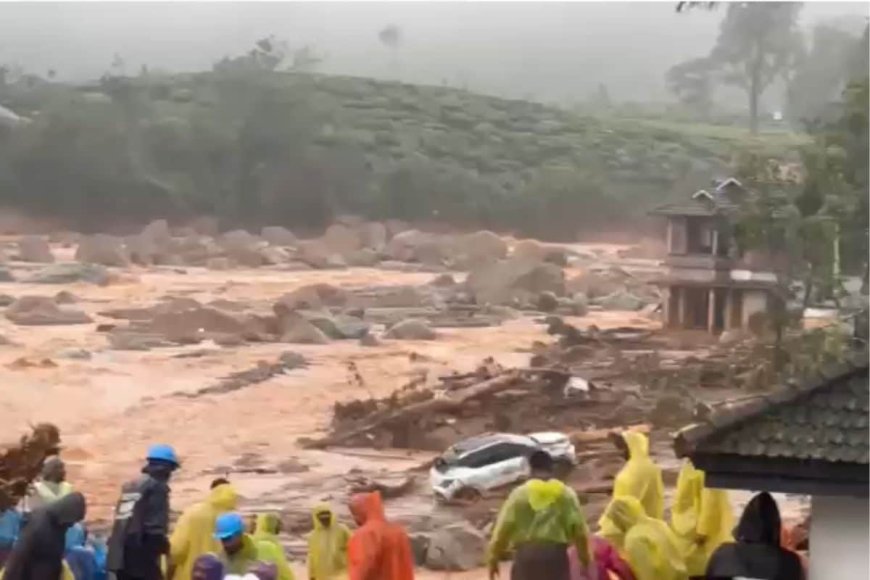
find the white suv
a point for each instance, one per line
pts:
(486, 462)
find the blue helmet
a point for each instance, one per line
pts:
(161, 452)
(228, 525)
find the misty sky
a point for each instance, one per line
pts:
(558, 52)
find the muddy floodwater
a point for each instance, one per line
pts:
(110, 405)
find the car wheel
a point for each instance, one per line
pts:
(468, 494)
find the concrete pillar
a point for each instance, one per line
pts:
(670, 238)
(729, 300)
(711, 310)
(715, 243)
(682, 301)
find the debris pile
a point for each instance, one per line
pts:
(21, 464)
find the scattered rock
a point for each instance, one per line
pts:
(6, 300)
(243, 248)
(363, 258)
(419, 548)
(314, 253)
(341, 239)
(104, 250)
(620, 300)
(411, 329)
(158, 232)
(6, 275)
(478, 248)
(65, 297)
(74, 354)
(443, 281)
(579, 304)
(196, 323)
(196, 250)
(205, 226)
(294, 328)
(34, 249)
(123, 339)
(42, 310)
(278, 236)
(515, 280)
(71, 272)
(456, 547)
(369, 339)
(547, 302)
(292, 465)
(373, 236)
(314, 297)
(218, 264)
(272, 256)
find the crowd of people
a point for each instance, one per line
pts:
(541, 525)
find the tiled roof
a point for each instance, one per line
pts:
(705, 203)
(825, 419)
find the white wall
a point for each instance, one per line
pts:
(753, 301)
(839, 538)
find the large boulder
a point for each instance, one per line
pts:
(34, 249)
(342, 239)
(403, 246)
(411, 329)
(373, 235)
(104, 250)
(70, 273)
(43, 311)
(601, 282)
(314, 253)
(456, 547)
(243, 248)
(536, 251)
(515, 280)
(338, 327)
(313, 297)
(6, 275)
(294, 328)
(278, 236)
(364, 258)
(195, 323)
(478, 248)
(197, 250)
(620, 300)
(205, 226)
(158, 232)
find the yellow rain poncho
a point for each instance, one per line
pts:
(194, 533)
(647, 544)
(266, 539)
(327, 547)
(700, 517)
(639, 478)
(540, 511)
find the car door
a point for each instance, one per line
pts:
(510, 465)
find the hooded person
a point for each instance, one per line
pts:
(81, 558)
(194, 532)
(139, 537)
(647, 544)
(700, 517)
(241, 552)
(327, 545)
(639, 478)
(207, 567)
(39, 553)
(266, 532)
(541, 519)
(756, 551)
(378, 549)
(52, 485)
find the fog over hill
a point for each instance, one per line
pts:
(555, 52)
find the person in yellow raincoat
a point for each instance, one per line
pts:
(647, 544)
(266, 532)
(639, 478)
(327, 545)
(700, 517)
(194, 533)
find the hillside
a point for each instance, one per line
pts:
(257, 146)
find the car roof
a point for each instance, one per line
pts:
(487, 439)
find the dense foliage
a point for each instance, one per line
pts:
(254, 142)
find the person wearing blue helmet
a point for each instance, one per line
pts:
(141, 523)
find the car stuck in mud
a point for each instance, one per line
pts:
(479, 464)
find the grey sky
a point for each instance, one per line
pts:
(551, 51)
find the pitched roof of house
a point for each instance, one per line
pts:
(805, 438)
(705, 202)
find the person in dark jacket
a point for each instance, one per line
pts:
(756, 551)
(140, 531)
(38, 555)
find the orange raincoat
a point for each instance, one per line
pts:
(378, 549)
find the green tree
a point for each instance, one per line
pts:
(692, 83)
(757, 42)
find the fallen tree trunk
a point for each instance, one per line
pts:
(452, 402)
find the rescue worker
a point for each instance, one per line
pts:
(700, 517)
(756, 551)
(39, 553)
(639, 478)
(194, 532)
(647, 544)
(51, 486)
(266, 531)
(541, 519)
(241, 552)
(378, 549)
(327, 545)
(139, 533)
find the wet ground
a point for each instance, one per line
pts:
(111, 406)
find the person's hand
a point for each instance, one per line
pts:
(493, 570)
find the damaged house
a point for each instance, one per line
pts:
(808, 438)
(709, 284)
